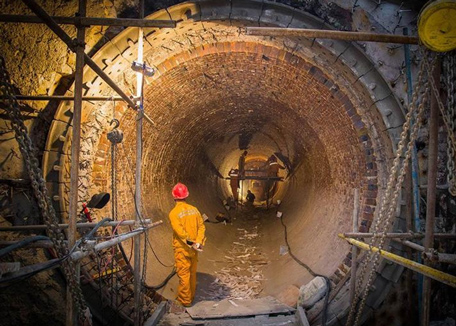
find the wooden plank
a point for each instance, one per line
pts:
(157, 315)
(301, 317)
(237, 308)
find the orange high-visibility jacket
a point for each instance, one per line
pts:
(187, 224)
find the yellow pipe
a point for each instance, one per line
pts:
(419, 268)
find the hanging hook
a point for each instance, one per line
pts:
(116, 122)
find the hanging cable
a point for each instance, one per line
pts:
(311, 272)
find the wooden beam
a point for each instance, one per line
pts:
(331, 34)
(90, 21)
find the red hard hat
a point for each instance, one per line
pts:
(180, 191)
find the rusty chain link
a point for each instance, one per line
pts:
(391, 195)
(40, 191)
(449, 66)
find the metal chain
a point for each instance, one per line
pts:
(389, 200)
(449, 69)
(40, 191)
(445, 116)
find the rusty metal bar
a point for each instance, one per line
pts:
(331, 34)
(90, 21)
(19, 228)
(409, 235)
(430, 272)
(354, 251)
(431, 191)
(71, 312)
(65, 98)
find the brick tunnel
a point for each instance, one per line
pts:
(321, 106)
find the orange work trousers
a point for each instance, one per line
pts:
(186, 271)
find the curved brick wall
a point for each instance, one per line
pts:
(321, 104)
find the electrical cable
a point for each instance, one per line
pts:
(162, 284)
(21, 244)
(311, 272)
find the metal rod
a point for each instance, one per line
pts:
(354, 251)
(37, 244)
(71, 312)
(410, 235)
(65, 98)
(65, 226)
(106, 244)
(431, 191)
(331, 34)
(420, 268)
(138, 172)
(90, 21)
(415, 181)
(431, 255)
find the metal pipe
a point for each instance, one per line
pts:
(90, 21)
(331, 34)
(430, 272)
(414, 166)
(431, 191)
(138, 172)
(65, 226)
(410, 235)
(65, 98)
(109, 243)
(354, 250)
(430, 255)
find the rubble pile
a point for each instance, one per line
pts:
(241, 277)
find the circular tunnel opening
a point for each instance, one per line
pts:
(215, 94)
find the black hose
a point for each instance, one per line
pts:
(311, 272)
(162, 284)
(21, 244)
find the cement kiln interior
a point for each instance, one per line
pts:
(319, 105)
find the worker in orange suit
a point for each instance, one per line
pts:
(188, 240)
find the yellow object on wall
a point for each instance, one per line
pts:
(437, 25)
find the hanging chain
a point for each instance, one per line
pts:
(390, 198)
(41, 194)
(450, 67)
(445, 116)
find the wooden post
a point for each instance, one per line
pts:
(71, 317)
(139, 127)
(354, 248)
(431, 191)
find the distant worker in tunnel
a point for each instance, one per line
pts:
(250, 198)
(273, 168)
(234, 183)
(188, 239)
(241, 165)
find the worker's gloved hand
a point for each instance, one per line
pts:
(197, 246)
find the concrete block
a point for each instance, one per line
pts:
(312, 292)
(301, 317)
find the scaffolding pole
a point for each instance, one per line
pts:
(64, 98)
(331, 34)
(354, 251)
(431, 191)
(90, 21)
(139, 128)
(430, 272)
